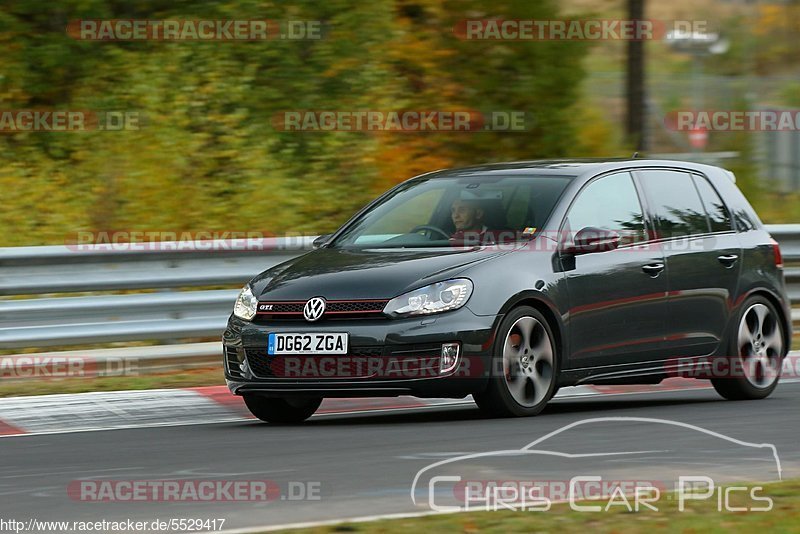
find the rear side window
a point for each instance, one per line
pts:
(718, 216)
(744, 222)
(610, 203)
(674, 203)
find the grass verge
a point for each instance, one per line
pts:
(699, 516)
(211, 376)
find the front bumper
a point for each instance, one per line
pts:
(387, 357)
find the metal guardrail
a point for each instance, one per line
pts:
(181, 313)
(74, 268)
(174, 312)
(788, 236)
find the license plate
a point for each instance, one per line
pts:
(307, 344)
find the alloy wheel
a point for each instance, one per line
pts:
(528, 361)
(760, 345)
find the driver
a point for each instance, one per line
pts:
(467, 216)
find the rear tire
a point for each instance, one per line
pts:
(755, 353)
(282, 411)
(524, 370)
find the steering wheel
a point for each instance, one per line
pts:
(431, 229)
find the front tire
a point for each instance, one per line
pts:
(755, 354)
(524, 368)
(282, 411)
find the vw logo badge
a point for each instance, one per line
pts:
(314, 309)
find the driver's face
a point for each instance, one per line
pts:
(466, 216)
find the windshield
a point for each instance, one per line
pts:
(456, 212)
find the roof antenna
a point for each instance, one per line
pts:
(635, 155)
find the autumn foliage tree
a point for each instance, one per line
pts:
(207, 155)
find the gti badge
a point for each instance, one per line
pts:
(314, 309)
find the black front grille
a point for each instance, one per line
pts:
(421, 351)
(359, 362)
(354, 306)
(396, 363)
(285, 307)
(270, 311)
(417, 359)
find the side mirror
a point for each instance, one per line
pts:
(591, 239)
(320, 241)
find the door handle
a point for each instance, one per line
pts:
(728, 259)
(653, 269)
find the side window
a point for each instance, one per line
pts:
(674, 203)
(610, 203)
(718, 215)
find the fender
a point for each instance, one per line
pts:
(541, 301)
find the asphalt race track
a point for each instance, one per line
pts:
(364, 464)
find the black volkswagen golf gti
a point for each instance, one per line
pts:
(508, 281)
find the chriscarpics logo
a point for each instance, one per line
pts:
(661, 464)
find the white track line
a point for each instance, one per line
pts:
(430, 407)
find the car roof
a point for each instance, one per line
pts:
(563, 167)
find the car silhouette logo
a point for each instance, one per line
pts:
(314, 309)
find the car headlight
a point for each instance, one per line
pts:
(246, 304)
(435, 298)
